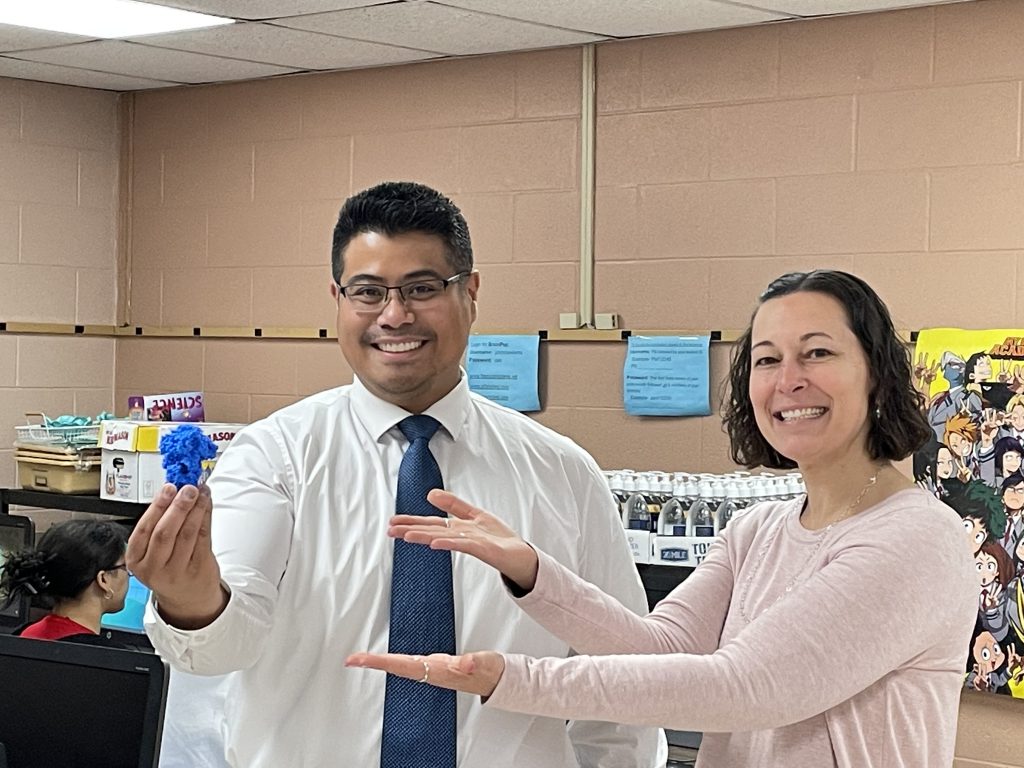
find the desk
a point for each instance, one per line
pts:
(69, 502)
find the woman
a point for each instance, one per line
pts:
(1009, 454)
(819, 631)
(78, 568)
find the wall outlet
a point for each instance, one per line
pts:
(568, 320)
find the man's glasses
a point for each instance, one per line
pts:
(373, 297)
(118, 567)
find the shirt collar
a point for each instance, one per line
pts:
(379, 416)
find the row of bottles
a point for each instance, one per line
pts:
(683, 504)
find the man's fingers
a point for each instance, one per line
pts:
(153, 538)
(138, 542)
(188, 535)
(204, 539)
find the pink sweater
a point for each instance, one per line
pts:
(788, 648)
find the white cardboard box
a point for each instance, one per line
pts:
(640, 544)
(132, 465)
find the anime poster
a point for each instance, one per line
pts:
(973, 383)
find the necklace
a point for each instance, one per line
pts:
(821, 534)
(853, 505)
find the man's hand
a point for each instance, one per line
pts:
(170, 552)
(924, 373)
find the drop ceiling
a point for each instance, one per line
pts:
(277, 38)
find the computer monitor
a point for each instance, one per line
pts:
(129, 618)
(79, 706)
(16, 533)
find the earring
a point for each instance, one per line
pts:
(878, 412)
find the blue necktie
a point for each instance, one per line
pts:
(419, 719)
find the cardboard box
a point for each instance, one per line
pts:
(132, 465)
(640, 544)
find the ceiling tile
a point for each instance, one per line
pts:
(831, 7)
(264, 9)
(438, 28)
(625, 19)
(133, 59)
(50, 73)
(285, 47)
(14, 38)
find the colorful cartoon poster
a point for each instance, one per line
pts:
(973, 384)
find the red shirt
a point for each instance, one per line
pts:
(53, 627)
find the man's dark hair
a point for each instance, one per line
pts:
(900, 426)
(980, 501)
(1011, 480)
(971, 364)
(399, 207)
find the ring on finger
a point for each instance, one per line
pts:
(447, 522)
(426, 672)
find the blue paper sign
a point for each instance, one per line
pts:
(666, 376)
(504, 369)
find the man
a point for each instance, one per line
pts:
(303, 569)
(1013, 422)
(1013, 503)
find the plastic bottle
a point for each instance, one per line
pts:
(700, 519)
(673, 513)
(659, 496)
(638, 516)
(615, 485)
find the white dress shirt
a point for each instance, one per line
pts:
(301, 505)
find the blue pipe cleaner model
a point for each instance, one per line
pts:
(184, 450)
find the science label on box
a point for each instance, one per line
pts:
(178, 406)
(132, 466)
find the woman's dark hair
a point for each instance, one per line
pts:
(1005, 445)
(65, 560)
(925, 460)
(397, 208)
(898, 425)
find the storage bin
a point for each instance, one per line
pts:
(70, 475)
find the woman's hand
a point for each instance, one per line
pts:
(477, 673)
(473, 531)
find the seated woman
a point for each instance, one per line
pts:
(819, 631)
(77, 568)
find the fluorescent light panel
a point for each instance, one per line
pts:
(103, 18)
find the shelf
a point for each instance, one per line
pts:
(68, 502)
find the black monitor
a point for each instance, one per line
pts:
(79, 706)
(16, 533)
